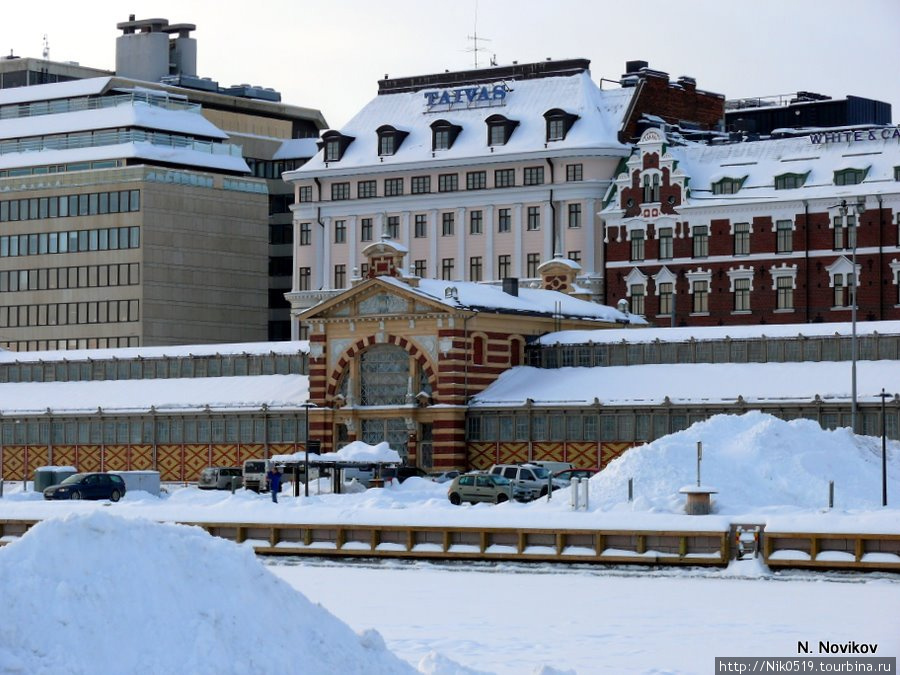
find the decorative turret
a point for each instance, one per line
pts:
(385, 259)
(558, 274)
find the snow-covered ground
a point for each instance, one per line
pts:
(88, 591)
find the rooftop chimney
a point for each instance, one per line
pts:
(511, 286)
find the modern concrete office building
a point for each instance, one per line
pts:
(208, 255)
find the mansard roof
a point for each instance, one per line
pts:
(817, 155)
(600, 116)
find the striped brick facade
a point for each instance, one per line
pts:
(453, 351)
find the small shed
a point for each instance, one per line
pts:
(45, 476)
(146, 481)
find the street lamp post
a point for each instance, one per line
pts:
(858, 209)
(883, 396)
(306, 407)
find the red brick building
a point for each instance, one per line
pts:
(677, 103)
(757, 232)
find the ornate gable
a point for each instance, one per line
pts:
(375, 300)
(651, 185)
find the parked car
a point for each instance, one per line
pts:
(485, 487)
(531, 476)
(552, 466)
(88, 486)
(401, 473)
(220, 478)
(567, 475)
(444, 476)
(363, 474)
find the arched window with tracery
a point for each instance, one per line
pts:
(384, 375)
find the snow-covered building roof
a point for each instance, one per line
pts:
(815, 157)
(97, 123)
(91, 86)
(297, 148)
(484, 297)
(192, 155)
(177, 395)
(127, 113)
(712, 333)
(600, 114)
(702, 384)
(169, 351)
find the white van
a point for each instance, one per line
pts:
(255, 471)
(220, 478)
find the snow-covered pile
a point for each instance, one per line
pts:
(357, 451)
(757, 462)
(98, 593)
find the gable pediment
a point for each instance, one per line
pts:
(375, 299)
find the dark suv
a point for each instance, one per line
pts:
(88, 486)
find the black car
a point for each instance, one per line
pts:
(88, 486)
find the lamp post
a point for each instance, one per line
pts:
(857, 209)
(883, 396)
(306, 406)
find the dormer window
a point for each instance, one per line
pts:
(500, 129)
(850, 176)
(443, 134)
(790, 181)
(389, 140)
(727, 186)
(335, 144)
(558, 124)
(332, 151)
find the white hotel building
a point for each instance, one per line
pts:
(481, 175)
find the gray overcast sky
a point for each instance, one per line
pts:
(329, 55)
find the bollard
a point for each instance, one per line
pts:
(631, 489)
(831, 494)
(586, 483)
(573, 494)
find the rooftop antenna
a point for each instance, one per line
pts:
(475, 39)
(46, 52)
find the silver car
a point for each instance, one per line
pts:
(220, 478)
(530, 476)
(485, 487)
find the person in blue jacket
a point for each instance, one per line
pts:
(274, 478)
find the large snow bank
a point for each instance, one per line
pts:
(98, 593)
(756, 462)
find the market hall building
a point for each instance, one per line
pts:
(583, 396)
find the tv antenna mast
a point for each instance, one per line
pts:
(475, 40)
